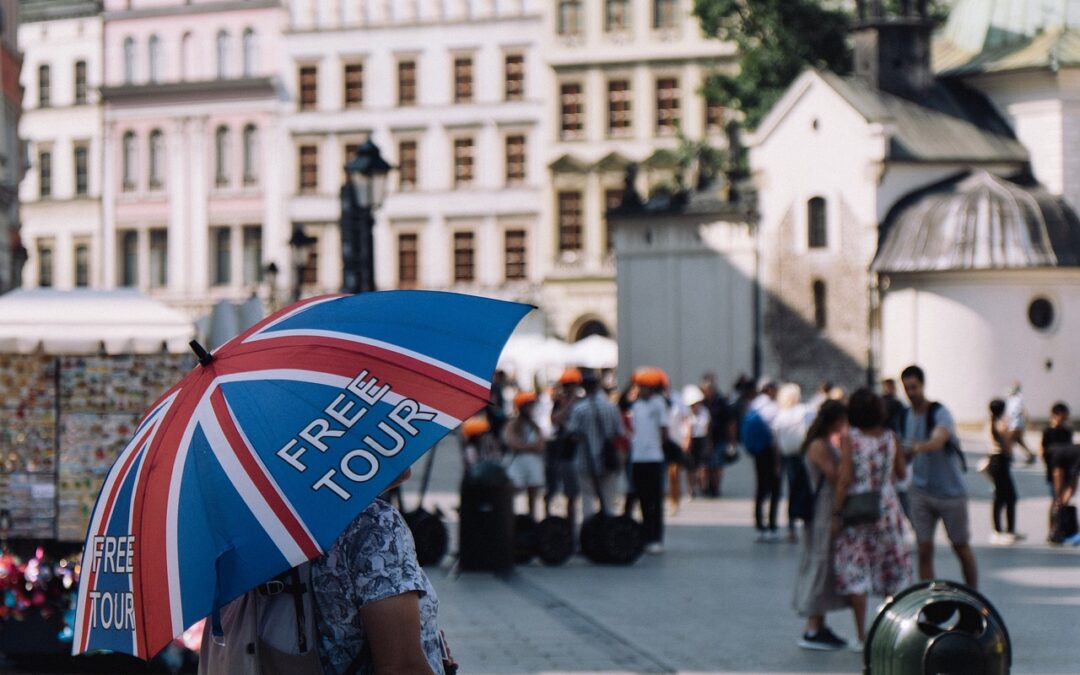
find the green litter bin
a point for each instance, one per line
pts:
(937, 628)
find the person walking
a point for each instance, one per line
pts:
(815, 585)
(560, 469)
(870, 555)
(700, 455)
(1016, 419)
(648, 416)
(789, 429)
(937, 490)
(722, 434)
(999, 464)
(524, 443)
(755, 432)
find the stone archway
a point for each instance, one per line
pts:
(586, 326)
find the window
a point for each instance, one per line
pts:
(665, 13)
(187, 56)
(569, 17)
(569, 221)
(129, 160)
(816, 233)
(515, 255)
(252, 243)
(221, 156)
(408, 260)
(515, 77)
(309, 275)
(222, 54)
(157, 159)
(129, 60)
(572, 117)
(714, 116)
(45, 173)
(515, 159)
(349, 152)
(251, 54)
(44, 87)
(612, 200)
(80, 82)
(251, 156)
(154, 47)
(82, 170)
(820, 315)
(1041, 314)
(667, 106)
(463, 161)
(407, 165)
(616, 15)
(406, 71)
(309, 168)
(159, 257)
(463, 79)
(309, 87)
(82, 266)
(45, 265)
(221, 250)
(129, 258)
(464, 257)
(354, 84)
(620, 116)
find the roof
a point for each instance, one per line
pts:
(990, 36)
(31, 11)
(950, 123)
(87, 321)
(979, 221)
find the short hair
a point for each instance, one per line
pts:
(915, 372)
(889, 381)
(789, 395)
(866, 410)
(1060, 409)
(997, 408)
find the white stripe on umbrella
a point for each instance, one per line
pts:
(172, 520)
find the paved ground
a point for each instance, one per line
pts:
(717, 602)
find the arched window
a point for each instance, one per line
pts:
(221, 156)
(250, 53)
(187, 55)
(251, 158)
(129, 60)
(157, 158)
(816, 225)
(820, 310)
(129, 160)
(155, 58)
(222, 54)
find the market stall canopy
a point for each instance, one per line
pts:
(595, 351)
(90, 321)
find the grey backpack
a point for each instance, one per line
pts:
(270, 630)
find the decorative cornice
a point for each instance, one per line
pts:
(248, 87)
(198, 8)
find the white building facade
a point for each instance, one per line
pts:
(61, 125)
(451, 93)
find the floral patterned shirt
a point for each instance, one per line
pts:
(373, 559)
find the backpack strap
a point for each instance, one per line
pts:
(950, 445)
(297, 589)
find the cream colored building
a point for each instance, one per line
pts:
(61, 124)
(626, 78)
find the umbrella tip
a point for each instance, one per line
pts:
(205, 357)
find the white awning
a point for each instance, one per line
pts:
(90, 321)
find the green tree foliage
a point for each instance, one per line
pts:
(776, 41)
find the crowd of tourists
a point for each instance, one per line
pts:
(864, 473)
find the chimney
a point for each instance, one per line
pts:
(892, 49)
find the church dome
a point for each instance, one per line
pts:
(979, 221)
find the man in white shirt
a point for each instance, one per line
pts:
(649, 419)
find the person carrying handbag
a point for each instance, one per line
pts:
(870, 555)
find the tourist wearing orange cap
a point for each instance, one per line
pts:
(477, 445)
(525, 443)
(649, 417)
(594, 419)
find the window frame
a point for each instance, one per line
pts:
(307, 87)
(352, 77)
(46, 273)
(569, 18)
(516, 258)
(514, 77)
(516, 165)
(221, 257)
(45, 177)
(618, 24)
(571, 235)
(668, 105)
(82, 185)
(571, 106)
(128, 260)
(413, 279)
(407, 65)
(464, 161)
(464, 256)
(159, 273)
(250, 141)
(620, 108)
(44, 86)
(408, 169)
(464, 78)
(817, 223)
(156, 159)
(311, 169)
(81, 88)
(222, 145)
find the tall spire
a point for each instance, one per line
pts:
(892, 49)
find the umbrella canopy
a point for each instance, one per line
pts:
(257, 460)
(595, 351)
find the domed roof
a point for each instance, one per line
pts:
(979, 221)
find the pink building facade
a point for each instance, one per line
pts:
(191, 198)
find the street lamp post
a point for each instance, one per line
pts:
(299, 245)
(361, 194)
(271, 273)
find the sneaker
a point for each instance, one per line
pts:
(856, 646)
(823, 640)
(773, 535)
(654, 548)
(1002, 539)
(762, 536)
(1019, 536)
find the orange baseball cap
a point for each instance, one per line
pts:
(474, 426)
(524, 398)
(648, 376)
(570, 376)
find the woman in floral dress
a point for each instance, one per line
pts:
(870, 557)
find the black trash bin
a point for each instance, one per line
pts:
(486, 530)
(938, 627)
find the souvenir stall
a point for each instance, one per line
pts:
(77, 371)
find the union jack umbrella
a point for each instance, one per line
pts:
(260, 457)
